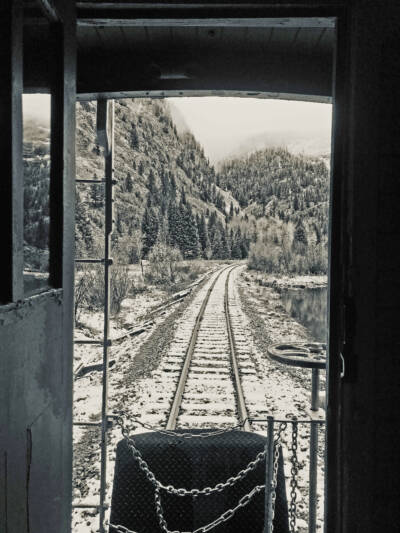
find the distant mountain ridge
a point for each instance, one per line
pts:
(287, 197)
(313, 144)
(162, 175)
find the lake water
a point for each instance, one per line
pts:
(309, 307)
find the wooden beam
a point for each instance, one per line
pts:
(233, 22)
(162, 4)
(11, 183)
(205, 71)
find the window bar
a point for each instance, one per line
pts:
(90, 341)
(269, 463)
(79, 260)
(105, 132)
(78, 180)
(312, 503)
(105, 117)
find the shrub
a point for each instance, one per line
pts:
(162, 263)
(265, 258)
(89, 288)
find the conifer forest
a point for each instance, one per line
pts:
(269, 207)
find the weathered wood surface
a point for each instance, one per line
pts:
(36, 332)
(11, 183)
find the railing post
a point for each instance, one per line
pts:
(269, 474)
(106, 136)
(312, 505)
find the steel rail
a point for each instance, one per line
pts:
(176, 404)
(240, 402)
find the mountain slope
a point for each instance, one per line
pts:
(285, 200)
(152, 162)
(167, 191)
(276, 183)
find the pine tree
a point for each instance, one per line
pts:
(183, 196)
(150, 225)
(83, 230)
(226, 252)
(134, 137)
(300, 235)
(217, 245)
(128, 183)
(173, 187)
(174, 225)
(190, 245)
(203, 236)
(236, 252)
(151, 184)
(96, 195)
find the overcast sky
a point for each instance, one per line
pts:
(36, 106)
(225, 126)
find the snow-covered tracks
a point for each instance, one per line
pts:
(201, 377)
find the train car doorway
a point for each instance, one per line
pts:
(135, 118)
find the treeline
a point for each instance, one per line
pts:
(286, 197)
(285, 248)
(280, 183)
(169, 218)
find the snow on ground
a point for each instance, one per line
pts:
(287, 389)
(147, 367)
(130, 389)
(295, 281)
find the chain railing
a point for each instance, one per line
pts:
(293, 480)
(275, 441)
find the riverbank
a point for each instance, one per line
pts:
(270, 321)
(304, 281)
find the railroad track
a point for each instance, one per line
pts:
(200, 380)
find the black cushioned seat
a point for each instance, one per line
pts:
(194, 463)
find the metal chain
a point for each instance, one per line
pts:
(293, 481)
(227, 515)
(192, 492)
(182, 491)
(277, 447)
(169, 433)
(121, 529)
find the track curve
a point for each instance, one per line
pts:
(210, 372)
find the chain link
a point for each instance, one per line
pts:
(277, 447)
(293, 481)
(182, 491)
(120, 422)
(227, 515)
(121, 529)
(219, 487)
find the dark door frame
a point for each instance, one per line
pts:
(338, 250)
